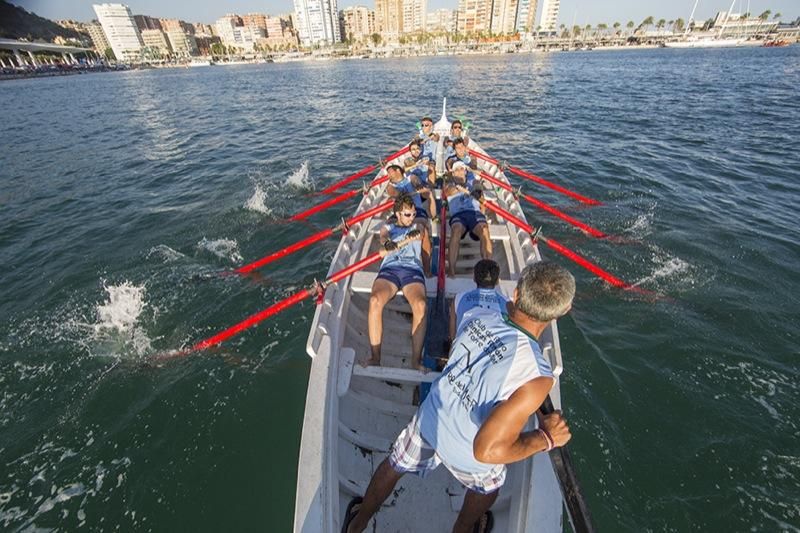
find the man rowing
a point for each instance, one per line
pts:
(473, 419)
(486, 275)
(428, 138)
(419, 166)
(466, 216)
(401, 269)
(460, 153)
(456, 131)
(410, 185)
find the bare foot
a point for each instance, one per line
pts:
(372, 361)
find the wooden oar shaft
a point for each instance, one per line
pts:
(577, 509)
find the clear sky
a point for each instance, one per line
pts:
(581, 11)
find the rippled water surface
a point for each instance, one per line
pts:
(123, 196)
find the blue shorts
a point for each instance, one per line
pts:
(401, 276)
(469, 219)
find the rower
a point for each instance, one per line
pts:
(456, 131)
(428, 138)
(460, 153)
(486, 275)
(416, 164)
(474, 419)
(410, 185)
(401, 269)
(466, 216)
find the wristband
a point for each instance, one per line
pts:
(547, 438)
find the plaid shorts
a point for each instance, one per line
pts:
(411, 453)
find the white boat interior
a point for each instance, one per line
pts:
(353, 414)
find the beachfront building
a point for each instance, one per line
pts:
(183, 44)
(414, 15)
(169, 25)
(255, 20)
(548, 21)
(120, 30)
(99, 40)
(389, 19)
(317, 22)
(474, 16)
(143, 22)
(233, 33)
(504, 16)
(156, 44)
(526, 15)
(205, 30)
(441, 20)
(356, 23)
(280, 33)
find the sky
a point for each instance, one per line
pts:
(582, 12)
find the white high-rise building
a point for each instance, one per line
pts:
(549, 19)
(120, 30)
(414, 15)
(442, 20)
(504, 16)
(317, 21)
(526, 15)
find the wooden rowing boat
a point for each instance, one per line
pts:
(353, 414)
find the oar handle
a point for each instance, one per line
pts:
(578, 511)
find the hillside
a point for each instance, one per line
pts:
(16, 23)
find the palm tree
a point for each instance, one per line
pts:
(660, 24)
(777, 16)
(630, 26)
(616, 28)
(576, 30)
(679, 25)
(763, 18)
(646, 23)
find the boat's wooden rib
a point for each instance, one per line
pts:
(354, 414)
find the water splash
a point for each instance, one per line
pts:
(166, 253)
(667, 268)
(256, 201)
(227, 249)
(300, 179)
(117, 327)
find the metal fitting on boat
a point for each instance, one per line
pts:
(536, 234)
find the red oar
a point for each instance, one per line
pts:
(308, 241)
(333, 201)
(361, 173)
(532, 177)
(563, 250)
(546, 207)
(280, 306)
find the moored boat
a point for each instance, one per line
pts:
(353, 414)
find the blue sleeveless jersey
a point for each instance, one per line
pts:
(409, 256)
(462, 201)
(490, 299)
(404, 186)
(490, 359)
(429, 146)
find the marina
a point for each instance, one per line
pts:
(113, 260)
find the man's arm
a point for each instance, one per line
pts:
(501, 440)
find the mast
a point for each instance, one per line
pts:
(691, 18)
(727, 17)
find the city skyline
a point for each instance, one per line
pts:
(580, 11)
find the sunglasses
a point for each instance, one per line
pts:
(456, 127)
(407, 214)
(427, 125)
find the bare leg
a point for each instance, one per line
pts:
(415, 294)
(457, 231)
(475, 504)
(482, 230)
(382, 292)
(380, 487)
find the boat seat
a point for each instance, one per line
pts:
(406, 375)
(361, 282)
